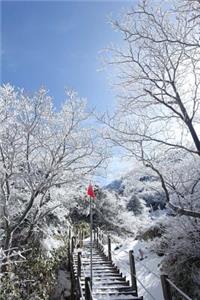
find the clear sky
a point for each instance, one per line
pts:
(57, 44)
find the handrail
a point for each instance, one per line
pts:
(144, 287)
(100, 242)
(91, 294)
(88, 289)
(89, 285)
(166, 282)
(170, 282)
(178, 290)
(127, 271)
(80, 287)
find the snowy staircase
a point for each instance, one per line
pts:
(108, 283)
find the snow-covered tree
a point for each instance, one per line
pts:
(40, 148)
(158, 80)
(181, 250)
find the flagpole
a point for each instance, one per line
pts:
(91, 240)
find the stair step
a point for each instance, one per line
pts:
(94, 261)
(113, 293)
(108, 282)
(98, 267)
(105, 279)
(113, 289)
(113, 283)
(87, 259)
(116, 297)
(103, 274)
(85, 263)
(99, 271)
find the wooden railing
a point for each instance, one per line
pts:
(88, 289)
(103, 241)
(76, 290)
(166, 283)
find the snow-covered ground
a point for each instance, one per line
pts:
(147, 270)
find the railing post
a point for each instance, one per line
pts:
(78, 236)
(88, 295)
(69, 256)
(97, 237)
(72, 279)
(133, 271)
(79, 265)
(70, 233)
(82, 238)
(73, 244)
(102, 241)
(109, 248)
(99, 241)
(166, 287)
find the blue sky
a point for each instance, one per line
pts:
(57, 44)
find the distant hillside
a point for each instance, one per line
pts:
(116, 185)
(139, 185)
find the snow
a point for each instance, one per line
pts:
(51, 242)
(151, 261)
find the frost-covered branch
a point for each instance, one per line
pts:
(41, 148)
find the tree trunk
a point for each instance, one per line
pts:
(194, 135)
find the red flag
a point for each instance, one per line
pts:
(90, 191)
